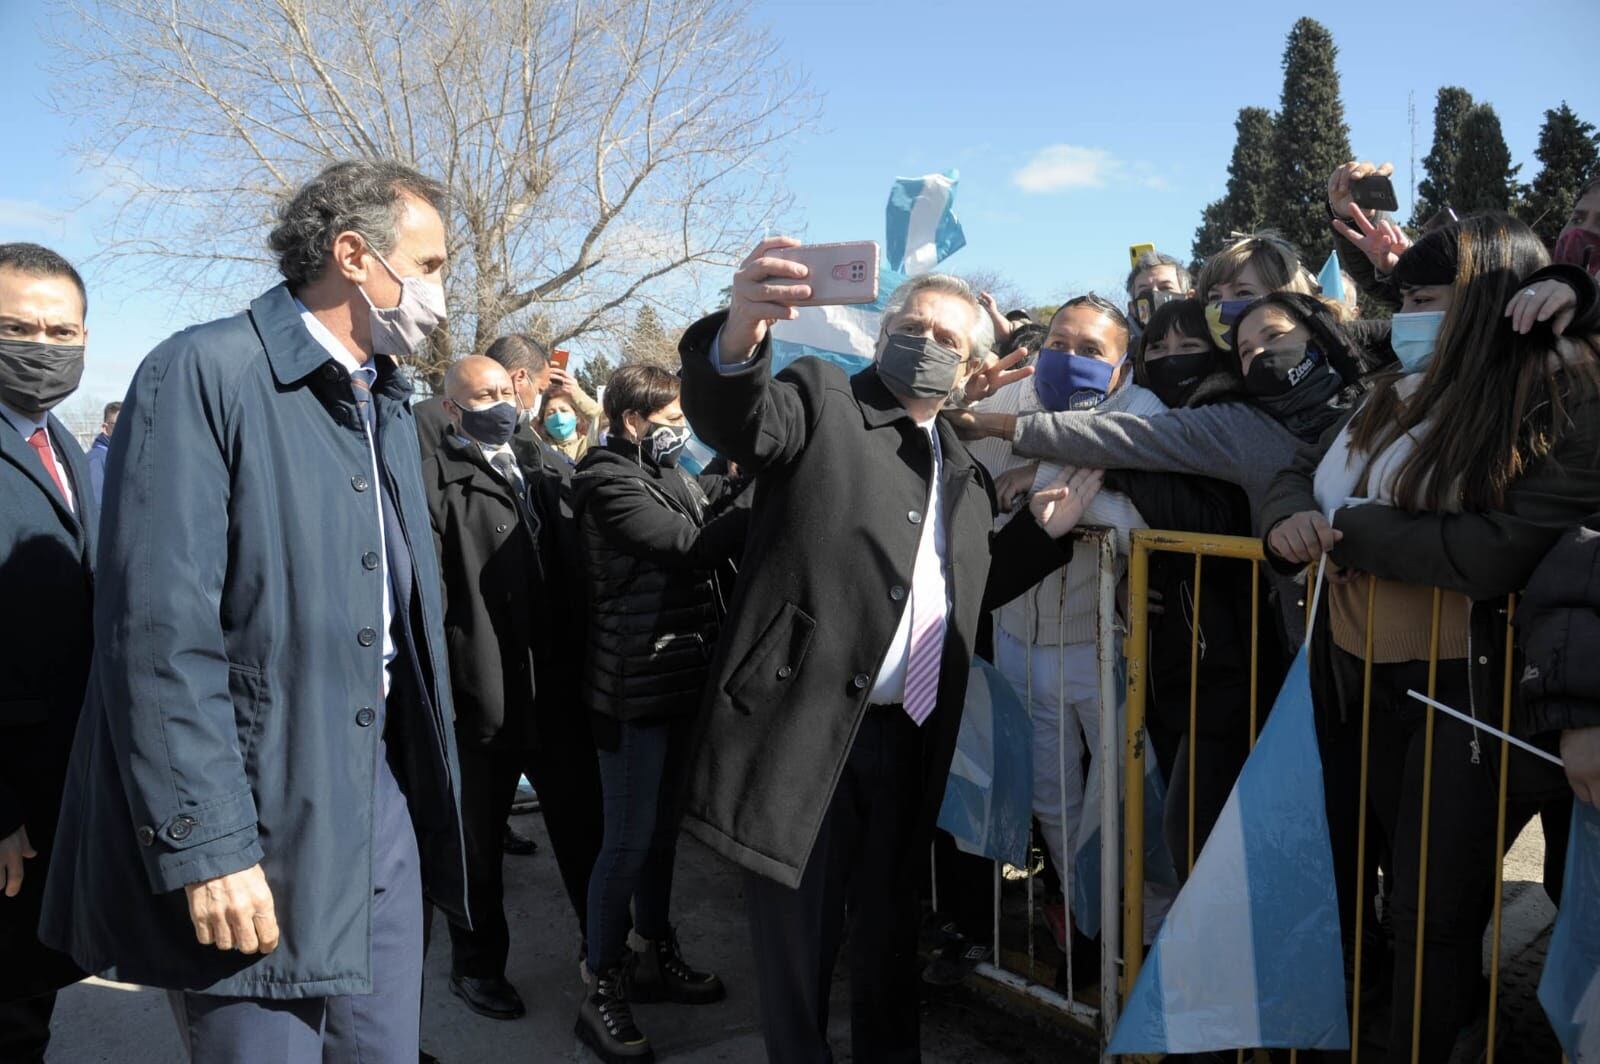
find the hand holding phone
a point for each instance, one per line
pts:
(1138, 251)
(1375, 192)
(837, 274)
(560, 356)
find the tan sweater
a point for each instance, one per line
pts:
(1402, 621)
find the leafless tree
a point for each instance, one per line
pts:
(597, 151)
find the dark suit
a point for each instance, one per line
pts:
(513, 626)
(46, 586)
(827, 799)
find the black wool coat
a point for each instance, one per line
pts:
(842, 478)
(238, 664)
(498, 609)
(46, 628)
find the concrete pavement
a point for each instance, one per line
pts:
(99, 1023)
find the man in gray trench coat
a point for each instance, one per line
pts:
(264, 776)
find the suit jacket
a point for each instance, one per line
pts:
(842, 478)
(238, 664)
(46, 586)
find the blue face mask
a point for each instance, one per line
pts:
(561, 424)
(1066, 380)
(1412, 335)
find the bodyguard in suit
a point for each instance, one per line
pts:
(265, 775)
(47, 537)
(836, 692)
(513, 624)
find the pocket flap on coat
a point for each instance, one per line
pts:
(774, 661)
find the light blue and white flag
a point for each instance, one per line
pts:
(988, 799)
(921, 232)
(1331, 280)
(1250, 953)
(1570, 987)
(920, 226)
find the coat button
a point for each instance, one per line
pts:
(365, 716)
(1483, 659)
(897, 592)
(181, 828)
(330, 372)
(366, 637)
(501, 528)
(358, 482)
(915, 517)
(861, 681)
(784, 672)
(147, 835)
(369, 560)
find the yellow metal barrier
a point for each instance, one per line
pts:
(1143, 544)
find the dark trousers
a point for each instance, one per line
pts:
(348, 1029)
(567, 777)
(866, 863)
(966, 888)
(1461, 838)
(643, 782)
(25, 1029)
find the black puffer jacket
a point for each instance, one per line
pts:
(652, 540)
(1558, 625)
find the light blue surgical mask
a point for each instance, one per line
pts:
(1413, 335)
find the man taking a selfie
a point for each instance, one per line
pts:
(837, 687)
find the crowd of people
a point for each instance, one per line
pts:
(283, 644)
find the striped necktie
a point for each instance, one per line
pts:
(928, 607)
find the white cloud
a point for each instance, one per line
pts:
(1061, 167)
(1066, 166)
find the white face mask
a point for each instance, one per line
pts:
(400, 331)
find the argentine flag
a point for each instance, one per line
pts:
(1570, 987)
(1250, 954)
(921, 231)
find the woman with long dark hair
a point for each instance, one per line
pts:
(1459, 472)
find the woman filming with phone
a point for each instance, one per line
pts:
(1458, 472)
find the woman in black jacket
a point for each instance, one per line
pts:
(1458, 475)
(1177, 359)
(653, 540)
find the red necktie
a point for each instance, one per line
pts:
(41, 446)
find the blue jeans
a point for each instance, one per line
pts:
(642, 781)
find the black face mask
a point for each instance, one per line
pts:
(1297, 387)
(34, 377)
(1175, 377)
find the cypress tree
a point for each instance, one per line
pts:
(1310, 140)
(1434, 191)
(1484, 178)
(1568, 153)
(1243, 207)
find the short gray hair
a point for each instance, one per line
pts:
(358, 196)
(981, 338)
(1152, 259)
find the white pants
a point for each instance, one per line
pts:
(1064, 703)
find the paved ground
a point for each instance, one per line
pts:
(106, 1024)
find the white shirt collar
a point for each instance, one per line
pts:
(25, 423)
(338, 351)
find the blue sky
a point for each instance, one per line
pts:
(1077, 129)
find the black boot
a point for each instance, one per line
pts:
(605, 1023)
(663, 975)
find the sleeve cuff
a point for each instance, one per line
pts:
(726, 367)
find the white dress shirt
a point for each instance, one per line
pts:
(890, 685)
(26, 424)
(340, 354)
